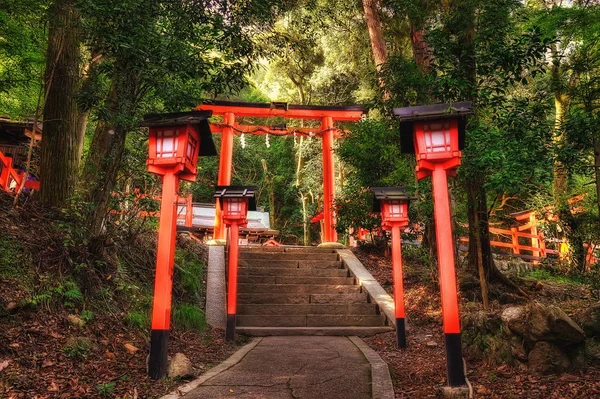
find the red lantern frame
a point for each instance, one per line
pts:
(175, 148)
(235, 210)
(394, 212)
(437, 140)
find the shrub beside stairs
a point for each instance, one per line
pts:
(302, 291)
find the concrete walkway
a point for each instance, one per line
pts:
(299, 367)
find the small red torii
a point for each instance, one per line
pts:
(328, 115)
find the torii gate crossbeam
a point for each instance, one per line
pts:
(328, 115)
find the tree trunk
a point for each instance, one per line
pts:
(102, 166)
(378, 46)
(269, 183)
(420, 47)
(305, 220)
(560, 173)
(59, 166)
(81, 129)
(479, 236)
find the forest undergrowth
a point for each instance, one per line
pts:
(75, 325)
(419, 370)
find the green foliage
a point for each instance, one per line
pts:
(14, 261)
(107, 389)
(86, 315)
(371, 151)
(189, 272)
(189, 317)
(77, 348)
(138, 319)
(355, 210)
(67, 293)
(22, 41)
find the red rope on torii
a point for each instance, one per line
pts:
(327, 115)
(277, 131)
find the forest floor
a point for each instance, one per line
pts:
(420, 369)
(38, 360)
(75, 327)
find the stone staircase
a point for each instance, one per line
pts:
(302, 291)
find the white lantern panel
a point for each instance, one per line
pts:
(166, 144)
(437, 137)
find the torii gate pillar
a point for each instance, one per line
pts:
(330, 235)
(225, 161)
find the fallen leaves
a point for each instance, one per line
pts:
(4, 364)
(420, 369)
(131, 349)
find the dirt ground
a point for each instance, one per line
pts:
(420, 369)
(35, 364)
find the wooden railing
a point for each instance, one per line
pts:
(536, 245)
(10, 178)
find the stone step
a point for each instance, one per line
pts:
(245, 279)
(297, 288)
(287, 271)
(312, 308)
(310, 320)
(339, 298)
(304, 298)
(276, 256)
(286, 249)
(290, 331)
(293, 264)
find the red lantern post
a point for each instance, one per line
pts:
(175, 142)
(235, 201)
(436, 133)
(393, 203)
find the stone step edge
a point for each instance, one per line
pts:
(318, 331)
(369, 284)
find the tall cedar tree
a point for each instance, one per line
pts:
(60, 157)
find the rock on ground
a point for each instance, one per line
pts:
(75, 320)
(590, 320)
(547, 358)
(180, 366)
(542, 323)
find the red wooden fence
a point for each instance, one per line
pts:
(10, 178)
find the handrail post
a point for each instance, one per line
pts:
(515, 240)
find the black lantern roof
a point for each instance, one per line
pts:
(197, 118)
(409, 115)
(237, 192)
(389, 193)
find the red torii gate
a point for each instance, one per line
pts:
(328, 115)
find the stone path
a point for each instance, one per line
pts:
(301, 367)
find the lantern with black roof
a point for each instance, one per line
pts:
(235, 203)
(175, 142)
(435, 133)
(393, 203)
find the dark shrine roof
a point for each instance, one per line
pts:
(175, 118)
(13, 132)
(196, 118)
(389, 193)
(435, 111)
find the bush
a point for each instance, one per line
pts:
(189, 274)
(138, 319)
(189, 317)
(77, 348)
(14, 261)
